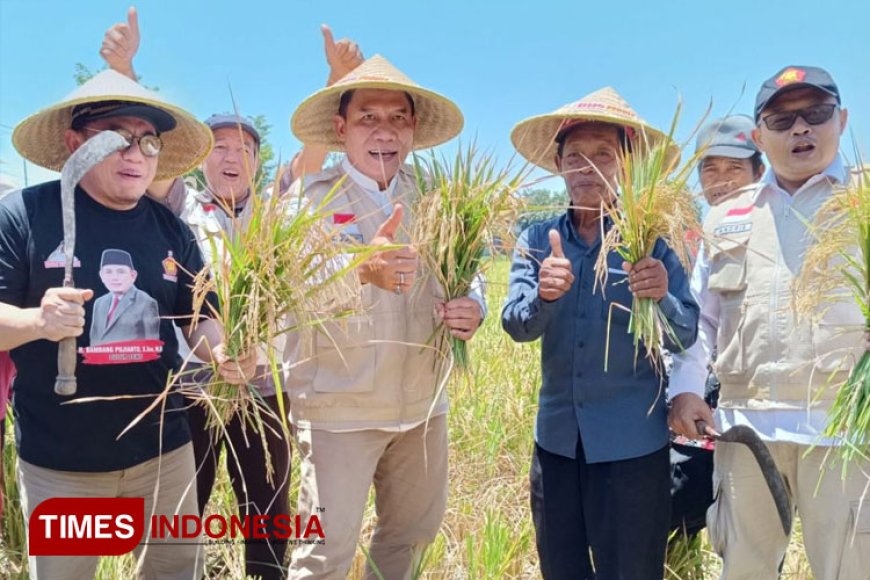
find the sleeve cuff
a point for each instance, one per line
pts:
(539, 305)
(675, 389)
(689, 375)
(670, 306)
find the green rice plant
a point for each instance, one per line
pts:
(688, 557)
(837, 269)
(652, 202)
(13, 536)
(491, 554)
(465, 213)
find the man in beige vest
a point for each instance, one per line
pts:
(368, 404)
(776, 370)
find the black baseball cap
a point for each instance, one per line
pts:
(791, 78)
(83, 114)
(222, 120)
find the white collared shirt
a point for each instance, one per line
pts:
(690, 367)
(384, 198)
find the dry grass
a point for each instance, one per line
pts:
(487, 531)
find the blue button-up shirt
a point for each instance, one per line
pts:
(620, 413)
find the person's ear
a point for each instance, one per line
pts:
(73, 139)
(844, 118)
(759, 141)
(340, 125)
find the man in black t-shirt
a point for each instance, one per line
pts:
(129, 436)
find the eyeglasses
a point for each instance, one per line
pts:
(815, 115)
(149, 144)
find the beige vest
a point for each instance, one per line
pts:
(755, 244)
(372, 370)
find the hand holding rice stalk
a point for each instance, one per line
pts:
(282, 264)
(465, 211)
(837, 269)
(652, 202)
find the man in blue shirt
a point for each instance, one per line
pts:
(600, 479)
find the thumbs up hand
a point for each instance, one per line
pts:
(386, 233)
(342, 56)
(391, 270)
(120, 44)
(555, 277)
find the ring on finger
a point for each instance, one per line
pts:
(398, 289)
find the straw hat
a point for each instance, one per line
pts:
(438, 118)
(39, 138)
(535, 138)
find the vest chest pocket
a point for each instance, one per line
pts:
(728, 280)
(728, 269)
(837, 338)
(345, 356)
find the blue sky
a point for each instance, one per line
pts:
(500, 61)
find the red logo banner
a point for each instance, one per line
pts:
(86, 526)
(122, 352)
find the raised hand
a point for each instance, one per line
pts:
(120, 44)
(342, 56)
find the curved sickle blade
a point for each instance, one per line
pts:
(772, 476)
(83, 159)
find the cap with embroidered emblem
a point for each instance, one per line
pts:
(791, 78)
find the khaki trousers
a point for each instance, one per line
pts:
(176, 494)
(409, 472)
(745, 530)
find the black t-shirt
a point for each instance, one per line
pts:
(139, 263)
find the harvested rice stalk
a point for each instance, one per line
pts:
(652, 202)
(465, 212)
(837, 269)
(283, 263)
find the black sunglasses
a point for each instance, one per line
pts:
(815, 115)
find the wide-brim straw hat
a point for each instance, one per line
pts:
(535, 137)
(40, 137)
(438, 118)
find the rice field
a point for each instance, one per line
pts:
(487, 532)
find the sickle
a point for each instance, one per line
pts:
(89, 154)
(775, 483)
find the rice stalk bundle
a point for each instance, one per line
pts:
(283, 264)
(837, 269)
(465, 213)
(652, 201)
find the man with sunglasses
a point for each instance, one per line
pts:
(777, 371)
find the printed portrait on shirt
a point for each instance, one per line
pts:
(125, 315)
